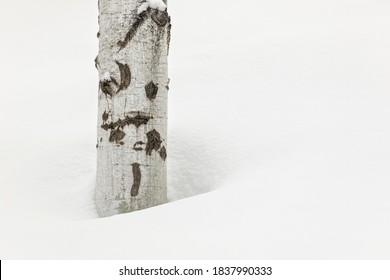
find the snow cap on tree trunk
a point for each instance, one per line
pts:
(153, 4)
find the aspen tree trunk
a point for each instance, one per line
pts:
(131, 146)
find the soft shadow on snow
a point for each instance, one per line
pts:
(196, 164)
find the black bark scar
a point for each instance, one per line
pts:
(105, 116)
(114, 81)
(163, 153)
(140, 19)
(97, 62)
(137, 121)
(154, 142)
(116, 135)
(169, 35)
(160, 18)
(105, 86)
(151, 90)
(136, 179)
(125, 76)
(138, 146)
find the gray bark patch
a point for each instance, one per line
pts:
(139, 20)
(123, 208)
(136, 179)
(163, 153)
(151, 90)
(125, 75)
(154, 142)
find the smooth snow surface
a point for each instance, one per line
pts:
(279, 117)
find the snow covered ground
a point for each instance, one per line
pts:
(278, 133)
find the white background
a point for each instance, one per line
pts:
(281, 270)
(279, 118)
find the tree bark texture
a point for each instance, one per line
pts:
(132, 112)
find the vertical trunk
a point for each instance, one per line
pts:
(132, 115)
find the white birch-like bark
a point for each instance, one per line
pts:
(132, 114)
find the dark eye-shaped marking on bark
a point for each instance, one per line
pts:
(163, 153)
(125, 76)
(154, 142)
(151, 90)
(138, 120)
(160, 18)
(138, 146)
(136, 179)
(116, 135)
(139, 20)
